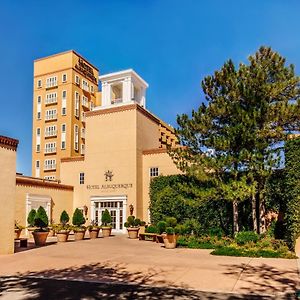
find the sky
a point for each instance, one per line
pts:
(172, 44)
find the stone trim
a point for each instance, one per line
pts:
(69, 159)
(37, 182)
(8, 143)
(121, 109)
(155, 151)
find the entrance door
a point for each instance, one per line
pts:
(115, 206)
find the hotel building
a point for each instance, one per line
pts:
(91, 150)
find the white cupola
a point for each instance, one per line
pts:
(124, 87)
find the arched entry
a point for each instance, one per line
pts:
(116, 205)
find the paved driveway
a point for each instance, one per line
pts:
(118, 260)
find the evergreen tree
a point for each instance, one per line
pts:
(30, 217)
(78, 218)
(41, 218)
(106, 218)
(251, 110)
(64, 218)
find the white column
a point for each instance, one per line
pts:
(92, 211)
(126, 90)
(143, 97)
(106, 94)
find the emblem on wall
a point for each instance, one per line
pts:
(108, 175)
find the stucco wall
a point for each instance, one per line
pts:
(7, 199)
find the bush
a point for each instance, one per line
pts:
(171, 222)
(41, 218)
(64, 218)
(161, 225)
(130, 221)
(106, 218)
(216, 232)
(151, 229)
(136, 222)
(170, 230)
(244, 237)
(30, 218)
(78, 218)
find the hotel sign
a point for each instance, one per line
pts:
(109, 186)
(84, 68)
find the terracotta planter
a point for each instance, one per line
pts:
(170, 241)
(62, 236)
(133, 232)
(79, 235)
(106, 231)
(17, 233)
(142, 229)
(40, 237)
(94, 232)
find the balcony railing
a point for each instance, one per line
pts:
(51, 84)
(50, 167)
(51, 133)
(51, 101)
(51, 117)
(85, 103)
(50, 150)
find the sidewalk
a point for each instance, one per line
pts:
(123, 261)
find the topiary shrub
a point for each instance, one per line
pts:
(136, 222)
(41, 219)
(161, 225)
(151, 229)
(171, 221)
(64, 218)
(78, 218)
(170, 230)
(106, 218)
(30, 217)
(245, 237)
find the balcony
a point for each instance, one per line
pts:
(50, 167)
(50, 150)
(52, 133)
(52, 84)
(83, 118)
(51, 101)
(51, 117)
(85, 103)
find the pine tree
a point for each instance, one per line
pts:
(30, 218)
(64, 218)
(78, 218)
(41, 218)
(250, 111)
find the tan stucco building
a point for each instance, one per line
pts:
(124, 145)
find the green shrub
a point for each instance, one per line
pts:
(244, 237)
(171, 222)
(64, 218)
(143, 223)
(161, 225)
(136, 222)
(106, 218)
(41, 218)
(216, 232)
(30, 218)
(130, 221)
(151, 229)
(170, 230)
(78, 218)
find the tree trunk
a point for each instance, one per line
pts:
(254, 212)
(235, 217)
(262, 216)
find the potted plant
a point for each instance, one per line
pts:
(78, 220)
(142, 227)
(18, 230)
(63, 229)
(93, 230)
(30, 221)
(171, 231)
(52, 228)
(41, 221)
(106, 221)
(133, 227)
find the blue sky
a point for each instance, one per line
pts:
(171, 44)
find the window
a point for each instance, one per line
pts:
(77, 80)
(64, 77)
(81, 178)
(38, 131)
(39, 83)
(50, 164)
(39, 115)
(85, 85)
(92, 89)
(38, 148)
(49, 177)
(37, 164)
(51, 114)
(76, 137)
(63, 145)
(50, 131)
(82, 149)
(39, 99)
(63, 128)
(51, 98)
(50, 147)
(85, 101)
(51, 82)
(154, 172)
(64, 94)
(76, 106)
